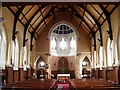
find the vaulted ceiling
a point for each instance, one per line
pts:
(35, 17)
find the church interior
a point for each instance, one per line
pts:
(45, 45)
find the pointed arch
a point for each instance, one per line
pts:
(86, 57)
(38, 60)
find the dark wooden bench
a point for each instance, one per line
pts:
(94, 84)
(43, 84)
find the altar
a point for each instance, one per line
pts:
(63, 76)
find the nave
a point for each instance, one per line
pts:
(51, 45)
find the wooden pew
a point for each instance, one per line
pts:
(43, 84)
(93, 84)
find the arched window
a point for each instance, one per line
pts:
(42, 64)
(110, 52)
(63, 44)
(53, 42)
(101, 56)
(15, 54)
(3, 46)
(72, 43)
(84, 63)
(94, 62)
(86, 66)
(63, 41)
(24, 58)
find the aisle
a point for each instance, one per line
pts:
(63, 85)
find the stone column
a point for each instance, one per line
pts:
(94, 60)
(20, 58)
(77, 68)
(49, 65)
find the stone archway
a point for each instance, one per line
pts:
(86, 67)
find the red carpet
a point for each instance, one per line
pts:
(65, 86)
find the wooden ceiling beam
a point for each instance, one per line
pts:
(107, 14)
(113, 9)
(38, 17)
(96, 10)
(53, 13)
(45, 17)
(16, 17)
(51, 3)
(93, 34)
(82, 16)
(25, 18)
(77, 15)
(27, 12)
(28, 23)
(96, 21)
